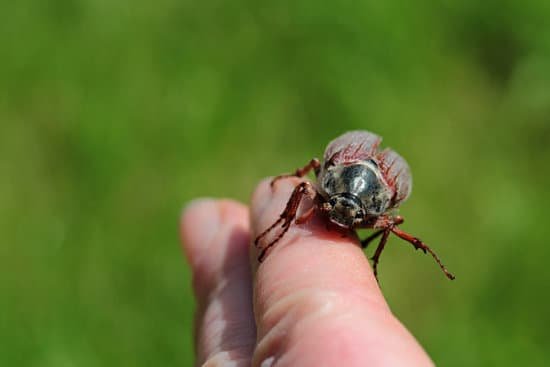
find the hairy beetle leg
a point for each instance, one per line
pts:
(418, 244)
(286, 217)
(372, 237)
(378, 252)
(389, 224)
(301, 172)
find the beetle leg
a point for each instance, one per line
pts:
(385, 234)
(418, 244)
(398, 220)
(301, 172)
(369, 239)
(286, 217)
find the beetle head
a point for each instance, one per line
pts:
(345, 210)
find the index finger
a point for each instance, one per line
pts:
(316, 301)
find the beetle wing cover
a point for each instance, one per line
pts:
(397, 174)
(352, 146)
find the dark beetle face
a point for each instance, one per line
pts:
(353, 192)
(346, 210)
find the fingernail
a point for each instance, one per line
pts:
(200, 223)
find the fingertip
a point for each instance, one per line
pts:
(215, 236)
(198, 224)
(203, 218)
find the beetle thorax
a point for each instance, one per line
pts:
(355, 187)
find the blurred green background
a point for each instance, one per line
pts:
(113, 114)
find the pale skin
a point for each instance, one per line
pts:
(313, 301)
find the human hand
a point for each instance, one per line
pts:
(314, 300)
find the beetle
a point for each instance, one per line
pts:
(358, 186)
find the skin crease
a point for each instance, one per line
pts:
(313, 302)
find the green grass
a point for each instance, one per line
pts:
(114, 114)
